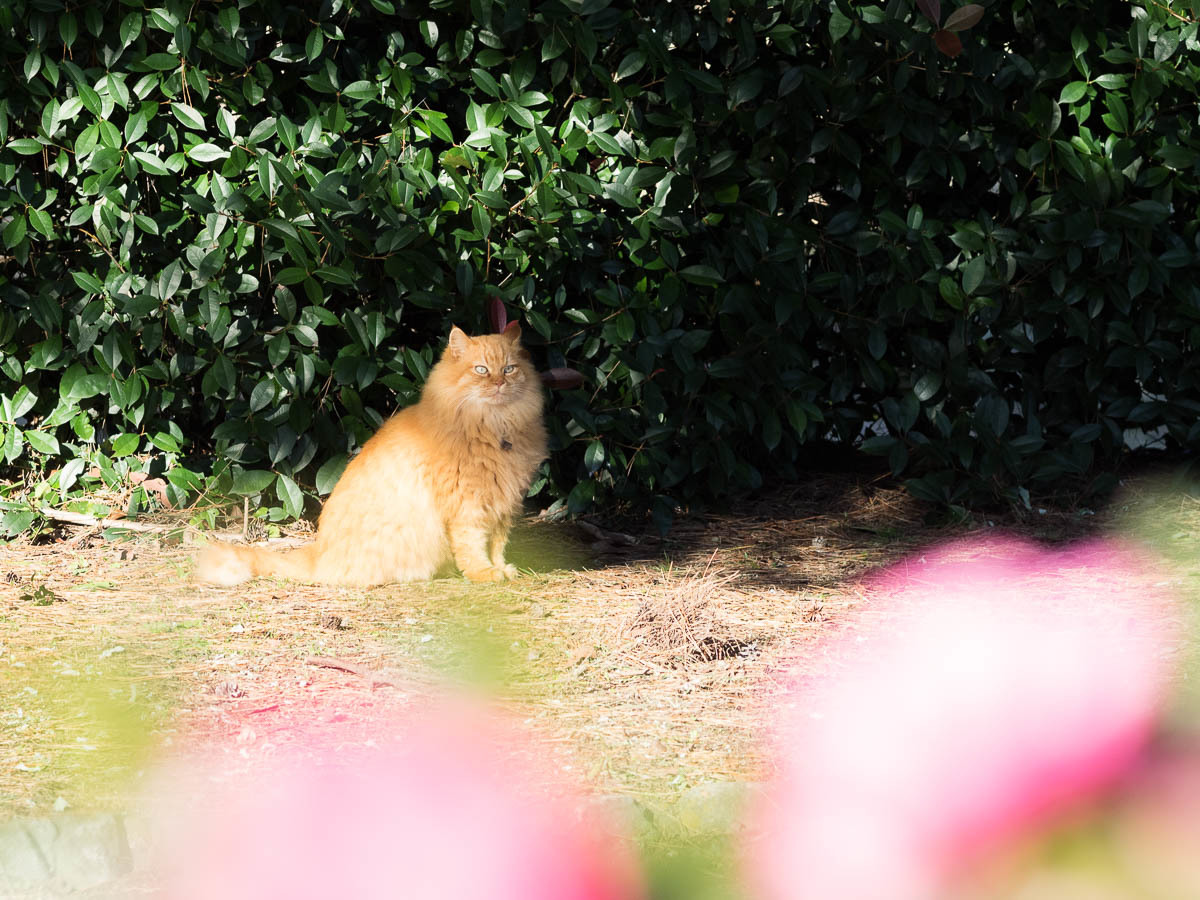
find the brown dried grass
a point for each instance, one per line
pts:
(645, 666)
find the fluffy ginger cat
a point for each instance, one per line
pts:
(440, 481)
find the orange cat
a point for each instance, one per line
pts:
(441, 480)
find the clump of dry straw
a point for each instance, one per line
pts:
(685, 622)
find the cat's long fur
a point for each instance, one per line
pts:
(440, 481)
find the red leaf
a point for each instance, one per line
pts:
(947, 42)
(932, 9)
(964, 17)
(497, 315)
(562, 379)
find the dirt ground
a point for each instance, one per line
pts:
(646, 670)
(642, 664)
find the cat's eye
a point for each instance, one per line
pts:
(508, 370)
(482, 370)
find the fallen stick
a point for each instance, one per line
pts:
(613, 537)
(332, 662)
(71, 518)
(89, 521)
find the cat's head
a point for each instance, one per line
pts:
(491, 370)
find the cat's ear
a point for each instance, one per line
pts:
(512, 331)
(457, 345)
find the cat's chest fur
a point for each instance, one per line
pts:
(499, 462)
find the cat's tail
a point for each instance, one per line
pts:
(229, 564)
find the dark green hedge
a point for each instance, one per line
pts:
(237, 232)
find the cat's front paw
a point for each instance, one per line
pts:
(491, 573)
(510, 571)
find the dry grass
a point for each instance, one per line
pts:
(644, 666)
(684, 623)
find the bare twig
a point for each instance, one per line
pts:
(71, 518)
(612, 537)
(332, 662)
(87, 521)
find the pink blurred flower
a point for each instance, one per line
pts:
(457, 809)
(989, 688)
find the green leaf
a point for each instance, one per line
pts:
(630, 65)
(927, 386)
(330, 472)
(69, 474)
(593, 456)
(160, 62)
(42, 442)
(436, 123)
(23, 401)
(150, 163)
(247, 482)
(25, 146)
(621, 193)
(839, 24)
(79, 384)
(772, 429)
(336, 275)
(88, 282)
(580, 498)
(262, 396)
(40, 220)
(1175, 156)
(701, 274)
(973, 274)
(1072, 92)
(126, 444)
(290, 496)
(207, 153)
(17, 521)
(486, 83)
(362, 90)
(15, 230)
(877, 343)
(165, 442)
(315, 44)
(131, 27)
(291, 275)
(991, 412)
(188, 115)
(262, 130)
